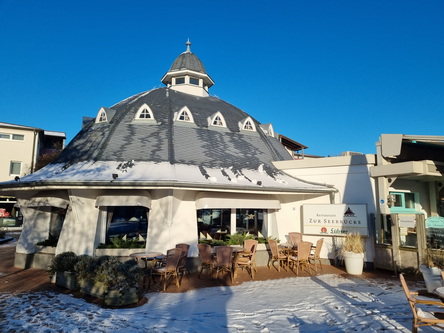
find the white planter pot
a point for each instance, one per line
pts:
(354, 262)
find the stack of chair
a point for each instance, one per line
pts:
(276, 255)
(247, 258)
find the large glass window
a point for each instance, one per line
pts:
(129, 221)
(214, 222)
(249, 220)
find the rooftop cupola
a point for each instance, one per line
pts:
(187, 74)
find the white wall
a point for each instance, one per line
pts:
(350, 175)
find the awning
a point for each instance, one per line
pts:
(206, 200)
(58, 199)
(124, 198)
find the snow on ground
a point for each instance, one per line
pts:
(324, 303)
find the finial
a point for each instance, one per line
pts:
(188, 44)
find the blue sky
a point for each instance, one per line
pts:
(332, 75)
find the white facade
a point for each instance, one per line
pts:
(350, 176)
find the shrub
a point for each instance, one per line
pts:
(109, 271)
(121, 243)
(63, 262)
(118, 275)
(50, 241)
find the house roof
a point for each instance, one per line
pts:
(167, 152)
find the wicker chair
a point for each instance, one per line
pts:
(182, 268)
(300, 260)
(224, 260)
(207, 259)
(276, 255)
(294, 238)
(422, 317)
(170, 270)
(316, 255)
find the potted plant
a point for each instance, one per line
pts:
(61, 270)
(352, 252)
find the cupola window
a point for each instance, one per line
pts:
(248, 125)
(184, 115)
(144, 113)
(217, 120)
(180, 80)
(194, 81)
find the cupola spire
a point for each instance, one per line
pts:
(187, 74)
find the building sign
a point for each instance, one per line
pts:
(334, 220)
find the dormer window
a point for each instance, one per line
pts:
(248, 125)
(144, 113)
(184, 115)
(267, 129)
(102, 117)
(105, 115)
(217, 120)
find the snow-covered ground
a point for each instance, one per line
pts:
(324, 303)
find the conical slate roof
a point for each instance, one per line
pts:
(163, 151)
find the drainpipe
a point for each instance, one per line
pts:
(33, 151)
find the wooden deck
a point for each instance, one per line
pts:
(16, 280)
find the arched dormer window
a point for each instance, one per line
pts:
(144, 113)
(248, 125)
(184, 115)
(105, 115)
(267, 129)
(217, 120)
(101, 117)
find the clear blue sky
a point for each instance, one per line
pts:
(332, 75)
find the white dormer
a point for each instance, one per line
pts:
(267, 129)
(247, 125)
(217, 120)
(187, 74)
(184, 115)
(144, 113)
(105, 115)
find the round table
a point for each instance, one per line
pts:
(147, 257)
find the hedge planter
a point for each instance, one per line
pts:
(67, 280)
(119, 298)
(111, 297)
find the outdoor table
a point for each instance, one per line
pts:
(151, 257)
(147, 257)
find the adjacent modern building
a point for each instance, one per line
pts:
(21, 148)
